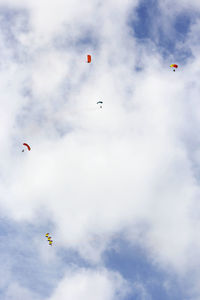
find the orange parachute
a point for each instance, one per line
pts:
(89, 58)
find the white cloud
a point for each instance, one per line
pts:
(91, 284)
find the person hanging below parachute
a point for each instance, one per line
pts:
(100, 102)
(50, 243)
(28, 147)
(174, 66)
(89, 59)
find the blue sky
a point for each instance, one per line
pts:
(135, 265)
(148, 25)
(116, 187)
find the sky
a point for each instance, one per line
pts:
(116, 187)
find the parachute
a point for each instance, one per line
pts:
(100, 102)
(49, 239)
(28, 147)
(89, 58)
(174, 66)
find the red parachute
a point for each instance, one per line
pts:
(28, 147)
(89, 58)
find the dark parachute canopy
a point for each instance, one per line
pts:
(100, 102)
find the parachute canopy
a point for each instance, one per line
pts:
(174, 66)
(89, 58)
(28, 147)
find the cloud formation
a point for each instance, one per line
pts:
(129, 170)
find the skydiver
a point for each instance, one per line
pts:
(100, 102)
(47, 234)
